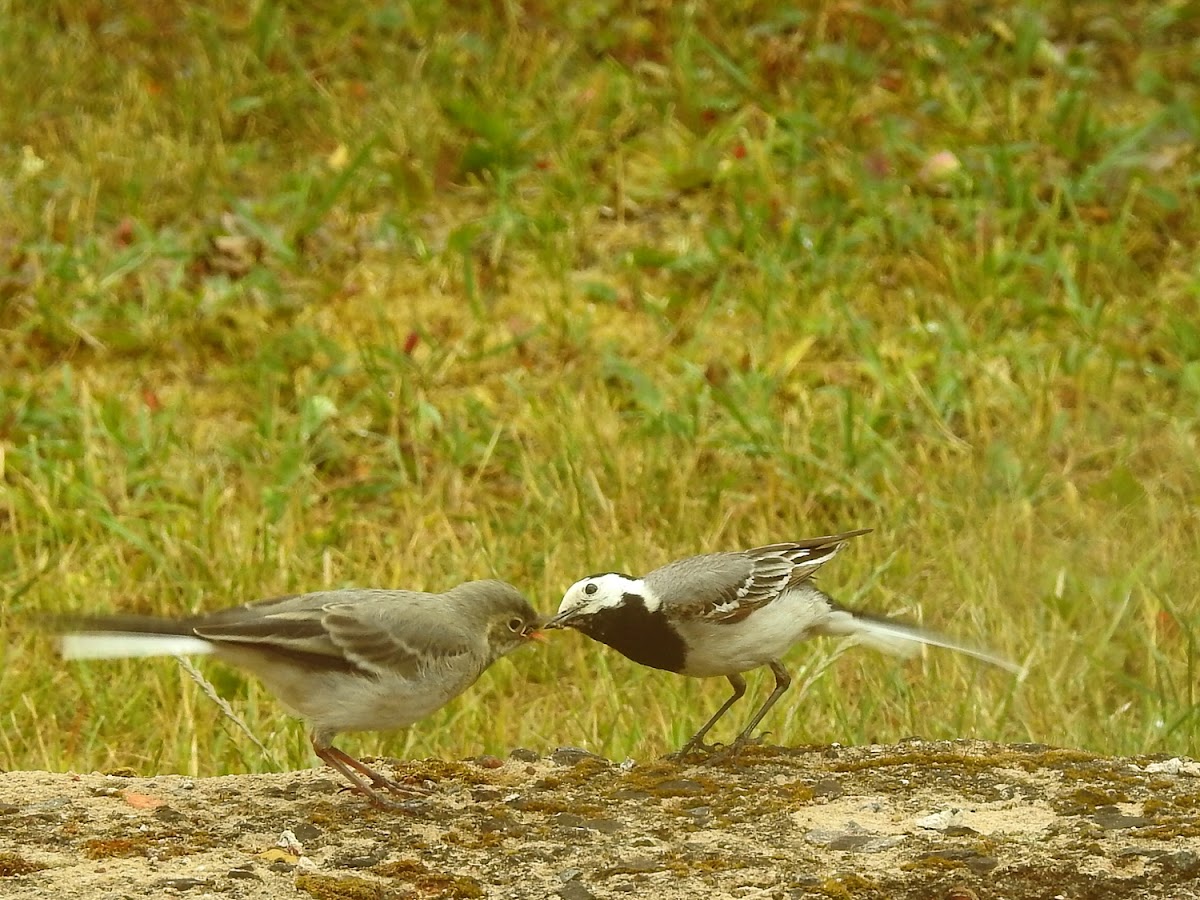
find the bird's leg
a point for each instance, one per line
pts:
(783, 681)
(377, 780)
(350, 768)
(696, 742)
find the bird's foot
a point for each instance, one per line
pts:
(382, 782)
(372, 792)
(729, 752)
(693, 748)
(412, 806)
(374, 783)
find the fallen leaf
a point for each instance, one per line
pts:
(142, 801)
(151, 400)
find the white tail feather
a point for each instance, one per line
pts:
(905, 640)
(125, 645)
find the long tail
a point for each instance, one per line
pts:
(901, 638)
(122, 637)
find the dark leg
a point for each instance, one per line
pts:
(696, 742)
(350, 768)
(783, 681)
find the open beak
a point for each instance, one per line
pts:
(533, 631)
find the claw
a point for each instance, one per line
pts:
(693, 747)
(353, 770)
(732, 750)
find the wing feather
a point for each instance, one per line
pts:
(374, 631)
(727, 587)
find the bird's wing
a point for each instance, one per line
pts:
(720, 587)
(399, 632)
(809, 555)
(727, 587)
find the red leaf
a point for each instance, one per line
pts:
(150, 398)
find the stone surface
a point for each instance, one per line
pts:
(919, 819)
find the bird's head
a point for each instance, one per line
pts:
(593, 596)
(510, 621)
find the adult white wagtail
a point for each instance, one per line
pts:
(727, 613)
(348, 660)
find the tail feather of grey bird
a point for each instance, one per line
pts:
(903, 639)
(126, 637)
(128, 645)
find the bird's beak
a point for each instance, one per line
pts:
(562, 620)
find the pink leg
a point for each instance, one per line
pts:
(350, 768)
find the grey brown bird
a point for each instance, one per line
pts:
(345, 660)
(728, 613)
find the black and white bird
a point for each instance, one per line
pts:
(728, 613)
(345, 660)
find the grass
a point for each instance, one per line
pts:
(404, 294)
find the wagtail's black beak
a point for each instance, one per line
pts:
(562, 620)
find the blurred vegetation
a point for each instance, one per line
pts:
(300, 296)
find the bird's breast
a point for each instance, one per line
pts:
(645, 637)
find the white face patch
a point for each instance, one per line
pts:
(603, 592)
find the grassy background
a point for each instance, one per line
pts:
(406, 293)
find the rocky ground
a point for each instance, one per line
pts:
(954, 820)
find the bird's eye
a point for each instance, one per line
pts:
(590, 589)
(515, 625)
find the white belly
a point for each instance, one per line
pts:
(765, 635)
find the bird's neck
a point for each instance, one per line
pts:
(642, 634)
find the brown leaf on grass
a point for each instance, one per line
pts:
(1095, 214)
(151, 400)
(228, 253)
(1166, 625)
(123, 234)
(877, 164)
(233, 254)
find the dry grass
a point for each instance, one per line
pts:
(406, 294)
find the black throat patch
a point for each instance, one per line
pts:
(631, 629)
